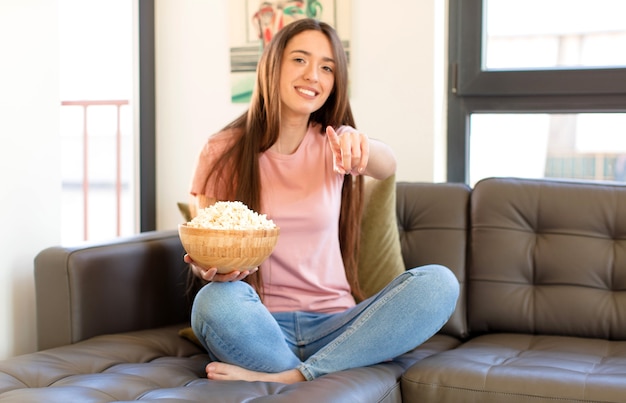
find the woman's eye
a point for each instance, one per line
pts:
(328, 69)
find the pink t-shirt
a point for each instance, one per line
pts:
(302, 194)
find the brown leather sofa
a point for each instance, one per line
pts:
(541, 317)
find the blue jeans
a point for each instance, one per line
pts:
(236, 328)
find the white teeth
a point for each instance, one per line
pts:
(306, 92)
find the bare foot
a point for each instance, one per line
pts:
(228, 372)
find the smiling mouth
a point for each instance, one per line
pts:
(304, 91)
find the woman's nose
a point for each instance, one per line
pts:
(311, 74)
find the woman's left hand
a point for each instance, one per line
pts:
(210, 273)
(351, 150)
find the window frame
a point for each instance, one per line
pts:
(472, 89)
(147, 114)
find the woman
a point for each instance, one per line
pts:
(296, 156)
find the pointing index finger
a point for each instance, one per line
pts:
(332, 137)
(335, 148)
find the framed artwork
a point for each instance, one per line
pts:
(253, 23)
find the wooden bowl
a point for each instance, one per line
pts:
(227, 249)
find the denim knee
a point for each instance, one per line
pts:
(215, 300)
(444, 283)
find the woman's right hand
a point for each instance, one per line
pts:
(211, 274)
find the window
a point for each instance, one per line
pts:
(536, 90)
(103, 173)
(549, 34)
(590, 146)
(97, 119)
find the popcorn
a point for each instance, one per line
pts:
(230, 215)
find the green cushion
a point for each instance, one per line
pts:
(380, 255)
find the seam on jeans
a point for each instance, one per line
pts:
(363, 308)
(321, 335)
(297, 330)
(358, 323)
(305, 372)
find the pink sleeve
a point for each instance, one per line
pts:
(212, 150)
(202, 170)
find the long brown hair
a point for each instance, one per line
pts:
(257, 130)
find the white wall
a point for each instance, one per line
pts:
(398, 86)
(30, 198)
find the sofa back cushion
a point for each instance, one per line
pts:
(433, 225)
(548, 257)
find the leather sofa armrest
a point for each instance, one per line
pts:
(121, 285)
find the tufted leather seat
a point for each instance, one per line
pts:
(159, 365)
(506, 367)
